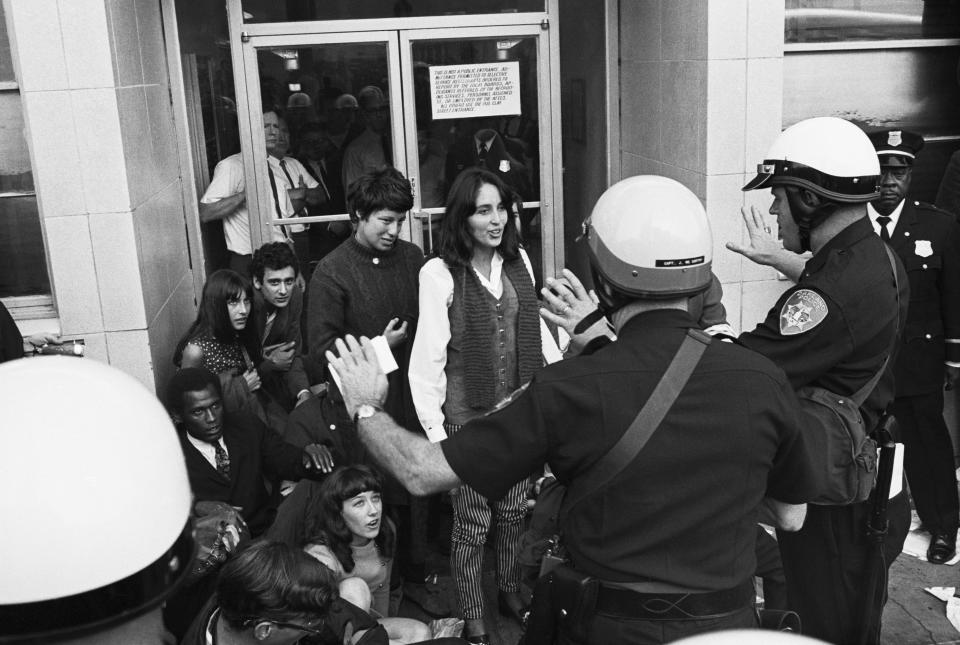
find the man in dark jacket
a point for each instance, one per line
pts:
(227, 456)
(927, 240)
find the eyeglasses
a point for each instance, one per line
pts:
(313, 630)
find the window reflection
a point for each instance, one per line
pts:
(808, 21)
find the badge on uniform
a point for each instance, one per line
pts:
(923, 248)
(504, 165)
(803, 310)
(894, 138)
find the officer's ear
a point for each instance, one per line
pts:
(810, 199)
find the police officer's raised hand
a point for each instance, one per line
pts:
(361, 379)
(763, 248)
(572, 307)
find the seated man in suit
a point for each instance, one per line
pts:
(277, 308)
(227, 456)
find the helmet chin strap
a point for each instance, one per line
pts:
(609, 301)
(808, 219)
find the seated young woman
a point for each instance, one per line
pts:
(221, 341)
(346, 530)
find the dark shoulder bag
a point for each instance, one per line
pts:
(841, 449)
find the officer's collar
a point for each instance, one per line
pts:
(843, 240)
(658, 318)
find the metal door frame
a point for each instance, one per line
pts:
(398, 34)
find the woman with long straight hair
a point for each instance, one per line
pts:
(222, 339)
(479, 338)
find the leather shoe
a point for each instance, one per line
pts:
(943, 546)
(478, 639)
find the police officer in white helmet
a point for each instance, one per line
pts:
(835, 330)
(95, 504)
(662, 542)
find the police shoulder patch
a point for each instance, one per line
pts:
(510, 399)
(803, 310)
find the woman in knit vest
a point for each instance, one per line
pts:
(479, 338)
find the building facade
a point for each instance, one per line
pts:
(116, 111)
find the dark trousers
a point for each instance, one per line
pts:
(928, 460)
(611, 630)
(825, 561)
(239, 263)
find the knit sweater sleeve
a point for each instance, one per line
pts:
(428, 358)
(328, 311)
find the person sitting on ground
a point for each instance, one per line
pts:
(345, 529)
(271, 592)
(277, 308)
(227, 455)
(222, 341)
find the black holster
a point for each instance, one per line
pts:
(562, 599)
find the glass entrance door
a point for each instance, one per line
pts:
(431, 102)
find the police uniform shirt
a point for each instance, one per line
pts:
(684, 513)
(835, 333)
(891, 225)
(927, 240)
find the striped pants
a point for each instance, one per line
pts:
(472, 513)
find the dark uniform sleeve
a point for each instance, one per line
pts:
(493, 452)
(791, 479)
(804, 354)
(950, 293)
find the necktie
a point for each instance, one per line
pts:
(482, 153)
(223, 460)
(883, 220)
(276, 198)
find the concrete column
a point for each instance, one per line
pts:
(94, 82)
(701, 100)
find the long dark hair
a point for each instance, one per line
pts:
(222, 287)
(324, 522)
(455, 245)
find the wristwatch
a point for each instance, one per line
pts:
(365, 411)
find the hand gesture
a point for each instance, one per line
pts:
(361, 379)
(253, 380)
(316, 456)
(763, 247)
(395, 332)
(281, 355)
(568, 302)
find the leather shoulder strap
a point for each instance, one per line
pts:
(861, 395)
(644, 425)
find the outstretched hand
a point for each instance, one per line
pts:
(361, 379)
(763, 247)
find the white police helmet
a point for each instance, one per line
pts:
(94, 495)
(828, 156)
(648, 237)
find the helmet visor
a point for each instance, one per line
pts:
(765, 172)
(780, 172)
